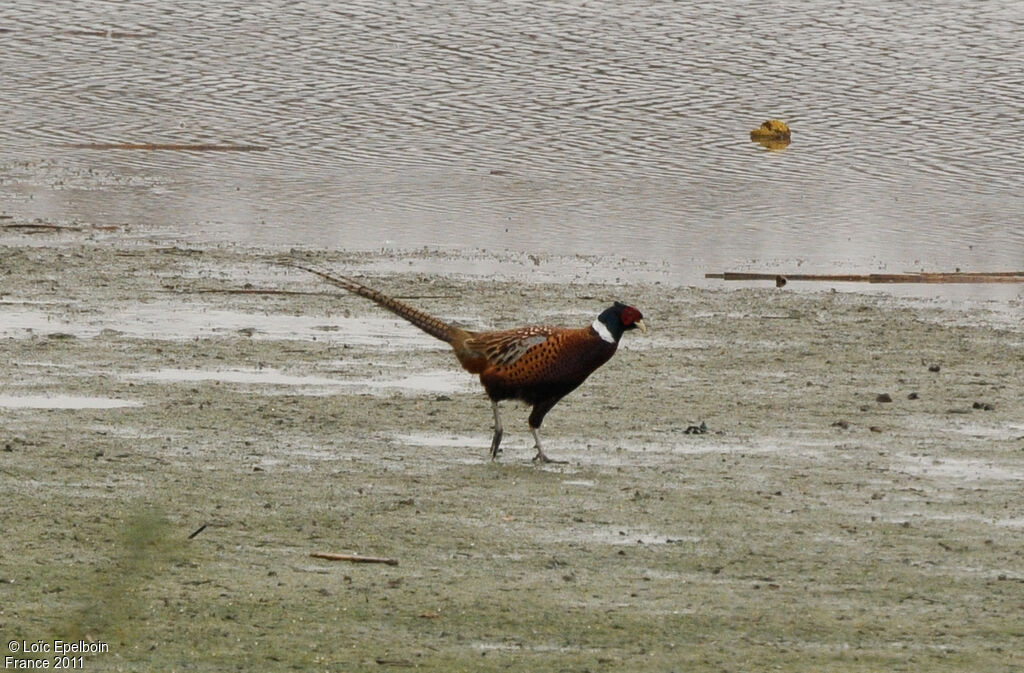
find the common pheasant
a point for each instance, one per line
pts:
(538, 364)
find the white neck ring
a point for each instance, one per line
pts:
(602, 331)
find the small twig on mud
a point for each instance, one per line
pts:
(393, 662)
(197, 531)
(355, 558)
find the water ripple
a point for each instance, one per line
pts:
(624, 111)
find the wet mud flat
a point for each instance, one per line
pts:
(854, 504)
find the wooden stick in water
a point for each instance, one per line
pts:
(924, 277)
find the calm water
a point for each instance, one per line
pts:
(600, 127)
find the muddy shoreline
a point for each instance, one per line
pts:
(151, 388)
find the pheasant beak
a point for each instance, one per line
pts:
(641, 325)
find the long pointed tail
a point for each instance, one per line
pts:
(426, 322)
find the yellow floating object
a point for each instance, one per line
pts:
(773, 134)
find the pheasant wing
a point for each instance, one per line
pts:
(503, 349)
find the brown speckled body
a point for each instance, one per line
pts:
(547, 370)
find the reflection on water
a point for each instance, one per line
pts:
(600, 127)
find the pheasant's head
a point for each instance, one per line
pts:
(616, 319)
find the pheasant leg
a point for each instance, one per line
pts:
(541, 457)
(496, 441)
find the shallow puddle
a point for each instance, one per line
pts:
(961, 469)
(271, 377)
(63, 402)
(433, 381)
(988, 432)
(613, 535)
(174, 321)
(442, 440)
